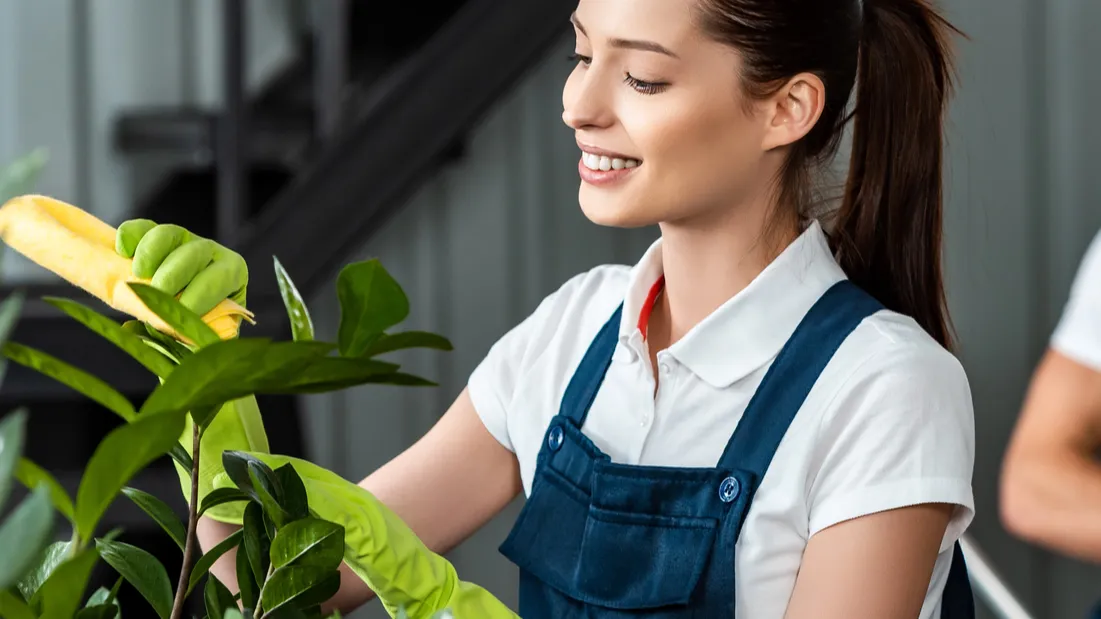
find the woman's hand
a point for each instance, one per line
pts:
(873, 567)
(178, 261)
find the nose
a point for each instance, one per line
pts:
(585, 101)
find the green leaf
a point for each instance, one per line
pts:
(98, 611)
(180, 455)
(267, 490)
(19, 177)
(48, 561)
(210, 557)
(114, 333)
(309, 541)
(142, 570)
(30, 475)
(299, 586)
(236, 465)
(301, 325)
(407, 339)
(72, 377)
(229, 370)
(9, 315)
(333, 373)
(105, 596)
(60, 595)
(203, 415)
(220, 496)
(13, 429)
(123, 452)
(295, 501)
(11, 607)
(370, 303)
(159, 512)
(184, 321)
(24, 535)
(218, 598)
(256, 540)
(163, 343)
(246, 581)
(232, 614)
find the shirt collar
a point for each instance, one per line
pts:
(750, 328)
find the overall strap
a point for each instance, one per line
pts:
(586, 380)
(792, 375)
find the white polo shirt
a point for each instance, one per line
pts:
(1078, 334)
(888, 424)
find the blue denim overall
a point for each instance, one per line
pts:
(597, 539)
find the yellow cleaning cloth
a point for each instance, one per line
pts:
(81, 249)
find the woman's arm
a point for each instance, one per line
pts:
(876, 566)
(445, 487)
(1051, 480)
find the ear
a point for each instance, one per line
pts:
(793, 110)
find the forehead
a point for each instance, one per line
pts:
(668, 22)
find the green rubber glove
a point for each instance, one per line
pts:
(175, 260)
(178, 262)
(384, 552)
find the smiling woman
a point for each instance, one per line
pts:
(760, 418)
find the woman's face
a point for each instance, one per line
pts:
(658, 113)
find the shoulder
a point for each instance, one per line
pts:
(578, 307)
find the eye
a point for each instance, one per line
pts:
(585, 60)
(646, 88)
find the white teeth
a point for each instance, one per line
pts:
(598, 162)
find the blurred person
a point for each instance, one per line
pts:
(760, 418)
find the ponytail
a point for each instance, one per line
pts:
(887, 234)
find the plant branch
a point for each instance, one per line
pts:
(192, 522)
(259, 606)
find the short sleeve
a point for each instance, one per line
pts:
(494, 380)
(900, 432)
(1078, 334)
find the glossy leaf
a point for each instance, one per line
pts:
(31, 475)
(236, 465)
(370, 303)
(333, 373)
(180, 455)
(110, 330)
(299, 586)
(105, 596)
(24, 535)
(98, 611)
(230, 370)
(220, 496)
(122, 453)
(246, 580)
(295, 501)
(163, 343)
(47, 562)
(142, 570)
(11, 607)
(72, 377)
(13, 430)
(9, 316)
(184, 321)
(267, 490)
(210, 557)
(301, 324)
(257, 542)
(60, 596)
(161, 513)
(407, 339)
(203, 415)
(218, 598)
(309, 541)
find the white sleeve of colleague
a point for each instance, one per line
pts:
(1078, 334)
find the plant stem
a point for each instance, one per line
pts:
(192, 522)
(259, 612)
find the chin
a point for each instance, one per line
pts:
(606, 208)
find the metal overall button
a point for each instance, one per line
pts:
(554, 438)
(729, 489)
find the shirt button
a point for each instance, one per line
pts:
(665, 368)
(554, 439)
(729, 489)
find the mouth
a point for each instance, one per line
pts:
(599, 162)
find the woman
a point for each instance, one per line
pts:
(758, 418)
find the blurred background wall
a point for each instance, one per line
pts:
(491, 223)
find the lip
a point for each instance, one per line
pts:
(602, 178)
(589, 148)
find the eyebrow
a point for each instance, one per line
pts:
(646, 46)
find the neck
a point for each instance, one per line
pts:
(707, 263)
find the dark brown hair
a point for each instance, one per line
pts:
(887, 233)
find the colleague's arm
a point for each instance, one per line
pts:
(445, 487)
(873, 566)
(1051, 480)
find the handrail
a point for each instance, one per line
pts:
(989, 585)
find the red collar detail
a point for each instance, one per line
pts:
(648, 306)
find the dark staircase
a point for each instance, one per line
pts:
(381, 94)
